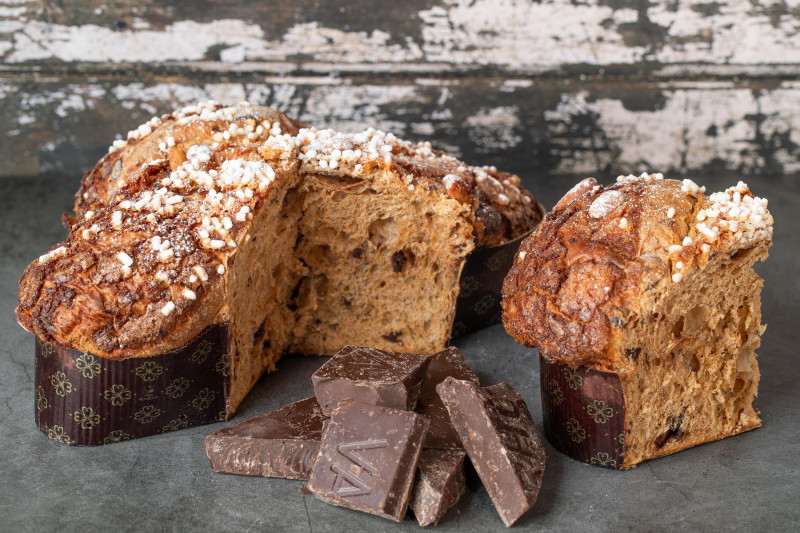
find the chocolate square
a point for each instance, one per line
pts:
(367, 459)
(372, 376)
(283, 443)
(498, 434)
(439, 484)
(448, 362)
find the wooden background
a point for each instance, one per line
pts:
(541, 88)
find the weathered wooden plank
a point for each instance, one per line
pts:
(307, 36)
(532, 127)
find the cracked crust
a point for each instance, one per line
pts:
(166, 139)
(605, 255)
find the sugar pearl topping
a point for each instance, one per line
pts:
(730, 219)
(244, 130)
(53, 254)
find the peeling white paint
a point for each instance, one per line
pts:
(520, 36)
(740, 33)
(692, 129)
(695, 125)
(358, 108)
(161, 93)
(493, 130)
(183, 40)
(517, 34)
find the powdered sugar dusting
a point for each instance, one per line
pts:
(606, 203)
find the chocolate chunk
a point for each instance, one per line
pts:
(497, 431)
(439, 484)
(367, 375)
(367, 459)
(282, 443)
(398, 259)
(448, 362)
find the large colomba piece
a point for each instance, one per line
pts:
(286, 238)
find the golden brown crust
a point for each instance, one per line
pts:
(587, 269)
(503, 209)
(167, 139)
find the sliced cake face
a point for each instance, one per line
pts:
(691, 373)
(653, 281)
(369, 255)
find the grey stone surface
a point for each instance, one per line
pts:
(163, 483)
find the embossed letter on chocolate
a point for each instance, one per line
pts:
(367, 459)
(497, 431)
(371, 376)
(282, 443)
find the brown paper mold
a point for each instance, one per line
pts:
(584, 413)
(86, 400)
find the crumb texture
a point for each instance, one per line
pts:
(692, 373)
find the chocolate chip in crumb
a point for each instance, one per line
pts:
(398, 260)
(394, 337)
(634, 353)
(357, 253)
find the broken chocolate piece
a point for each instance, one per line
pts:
(439, 484)
(367, 459)
(497, 431)
(448, 362)
(371, 376)
(282, 443)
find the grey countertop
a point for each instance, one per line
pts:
(163, 483)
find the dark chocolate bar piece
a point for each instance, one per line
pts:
(439, 484)
(367, 459)
(282, 443)
(372, 376)
(497, 431)
(448, 362)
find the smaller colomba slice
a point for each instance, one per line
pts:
(148, 264)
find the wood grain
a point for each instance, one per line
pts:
(553, 87)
